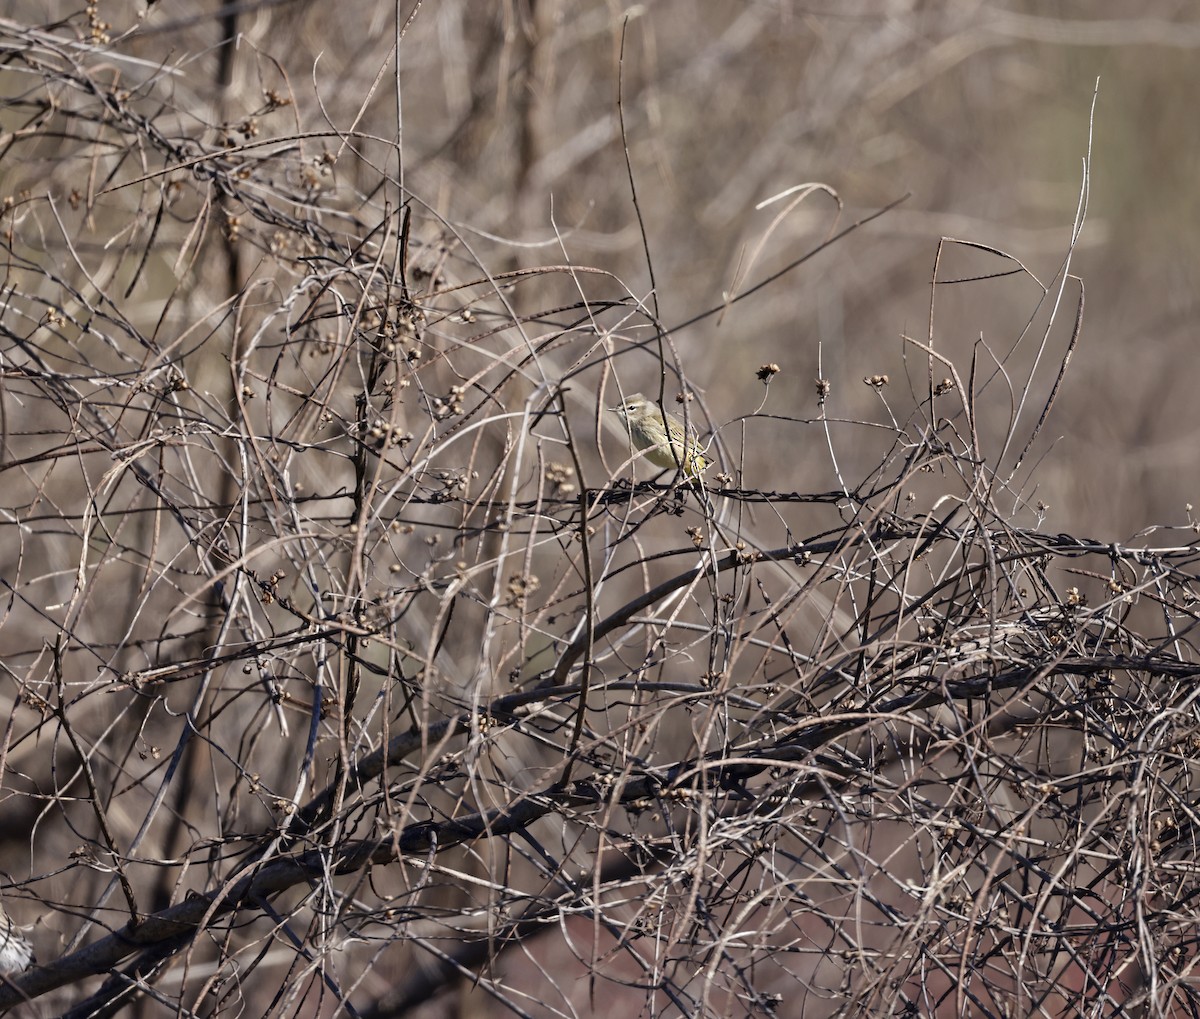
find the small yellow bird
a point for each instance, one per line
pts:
(665, 447)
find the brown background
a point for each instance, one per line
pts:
(513, 155)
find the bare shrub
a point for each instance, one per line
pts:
(348, 663)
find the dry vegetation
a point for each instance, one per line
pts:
(351, 666)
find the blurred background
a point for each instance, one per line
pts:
(980, 113)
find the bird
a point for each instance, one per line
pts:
(667, 447)
(16, 950)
